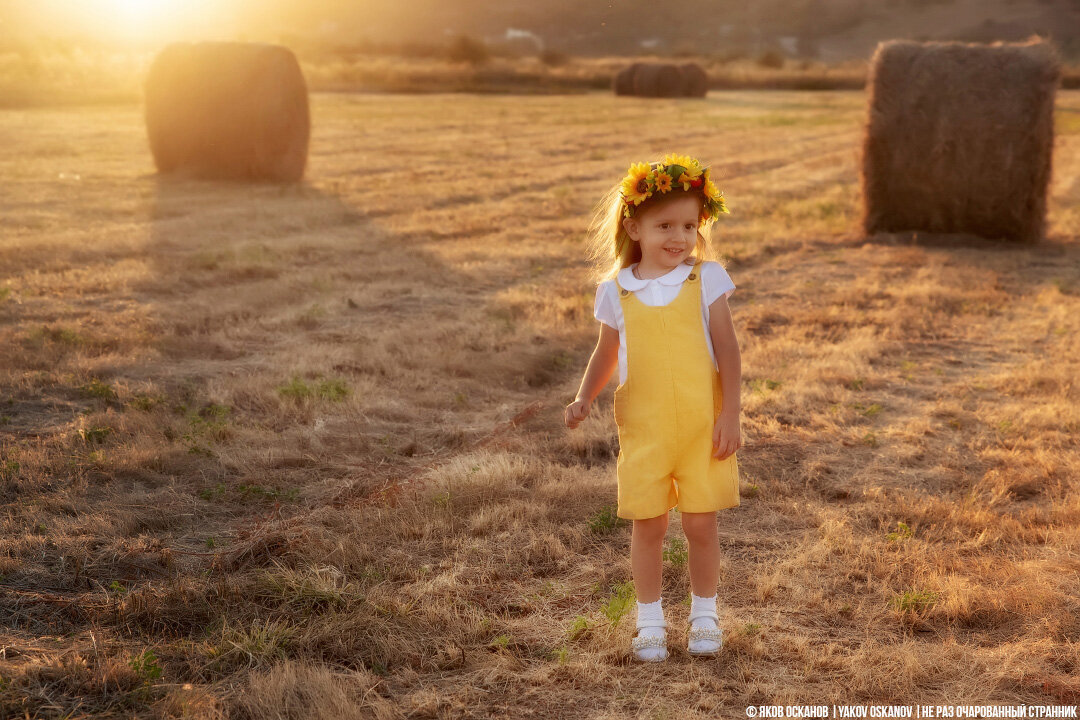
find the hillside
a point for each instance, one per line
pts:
(831, 30)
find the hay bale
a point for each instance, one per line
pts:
(645, 80)
(959, 138)
(695, 81)
(658, 80)
(228, 110)
(623, 82)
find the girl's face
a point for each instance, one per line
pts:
(667, 232)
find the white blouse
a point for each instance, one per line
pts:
(660, 291)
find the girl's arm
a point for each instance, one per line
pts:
(728, 359)
(604, 361)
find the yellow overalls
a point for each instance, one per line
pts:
(665, 411)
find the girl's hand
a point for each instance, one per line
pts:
(576, 412)
(726, 435)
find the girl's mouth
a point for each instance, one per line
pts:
(673, 252)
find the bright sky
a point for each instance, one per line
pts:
(126, 19)
(142, 16)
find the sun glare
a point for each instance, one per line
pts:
(152, 18)
(140, 17)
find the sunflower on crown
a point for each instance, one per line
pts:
(644, 179)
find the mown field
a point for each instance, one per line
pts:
(298, 451)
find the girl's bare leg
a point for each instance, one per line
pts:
(704, 542)
(646, 553)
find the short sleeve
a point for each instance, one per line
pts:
(717, 281)
(602, 309)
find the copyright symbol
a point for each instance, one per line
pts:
(751, 711)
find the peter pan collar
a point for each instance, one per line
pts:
(674, 277)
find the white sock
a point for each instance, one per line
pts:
(649, 612)
(703, 603)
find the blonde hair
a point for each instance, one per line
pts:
(609, 248)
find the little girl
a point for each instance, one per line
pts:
(665, 322)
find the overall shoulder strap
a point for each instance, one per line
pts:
(619, 289)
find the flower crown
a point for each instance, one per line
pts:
(645, 179)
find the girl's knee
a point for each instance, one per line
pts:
(651, 528)
(699, 526)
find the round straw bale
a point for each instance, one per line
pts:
(228, 110)
(669, 81)
(658, 80)
(695, 81)
(645, 80)
(623, 82)
(959, 138)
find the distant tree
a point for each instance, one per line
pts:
(420, 49)
(553, 58)
(467, 49)
(771, 59)
(727, 56)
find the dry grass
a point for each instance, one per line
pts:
(266, 450)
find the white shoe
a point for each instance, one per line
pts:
(650, 645)
(705, 637)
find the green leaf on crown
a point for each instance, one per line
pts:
(675, 171)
